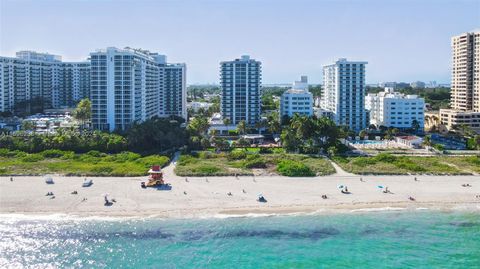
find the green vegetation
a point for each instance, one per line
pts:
(469, 163)
(207, 163)
(273, 123)
(274, 91)
(83, 112)
(385, 164)
(474, 142)
(242, 161)
(156, 135)
(152, 136)
(92, 163)
(197, 130)
(68, 140)
(268, 103)
(197, 92)
(315, 90)
(291, 168)
(311, 135)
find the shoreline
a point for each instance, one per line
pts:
(249, 212)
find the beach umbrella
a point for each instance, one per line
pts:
(340, 186)
(380, 186)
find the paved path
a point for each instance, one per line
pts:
(340, 171)
(169, 170)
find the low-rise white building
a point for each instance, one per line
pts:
(394, 109)
(321, 113)
(217, 123)
(297, 100)
(411, 141)
(196, 106)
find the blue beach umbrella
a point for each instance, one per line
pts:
(380, 186)
(341, 186)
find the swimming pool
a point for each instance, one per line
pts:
(367, 142)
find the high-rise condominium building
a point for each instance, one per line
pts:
(343, 93)
(394, 109)
(174, 93)
(42, 77)
(131, 85)
(240, 82)
(465, 88)
(297, 100)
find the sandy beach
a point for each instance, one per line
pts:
(207, 197)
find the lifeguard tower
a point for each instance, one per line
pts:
(156, 177)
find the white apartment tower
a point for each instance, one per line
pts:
(240, 82)
(344, 92)
(131, 85)
(43, 77)
(297, 100)
(394, 109)
(465, 88)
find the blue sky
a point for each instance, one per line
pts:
(401, 40)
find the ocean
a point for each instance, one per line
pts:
(393, 239)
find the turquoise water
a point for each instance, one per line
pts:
(367, 240)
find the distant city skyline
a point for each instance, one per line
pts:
(403, 41)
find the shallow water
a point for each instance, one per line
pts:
(357, 240)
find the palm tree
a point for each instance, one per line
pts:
(362, 134)
(466, 130)
(242, 127)
(476, 140)
(260, 125)
(83, 112)
(213, 132)
(28, 125)
(304, 125)
(383, 128)
(199, 125)
(394, 131)
(389, 134)
(415, 125)
(427, 141)
(227, 121)
(273, 123)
